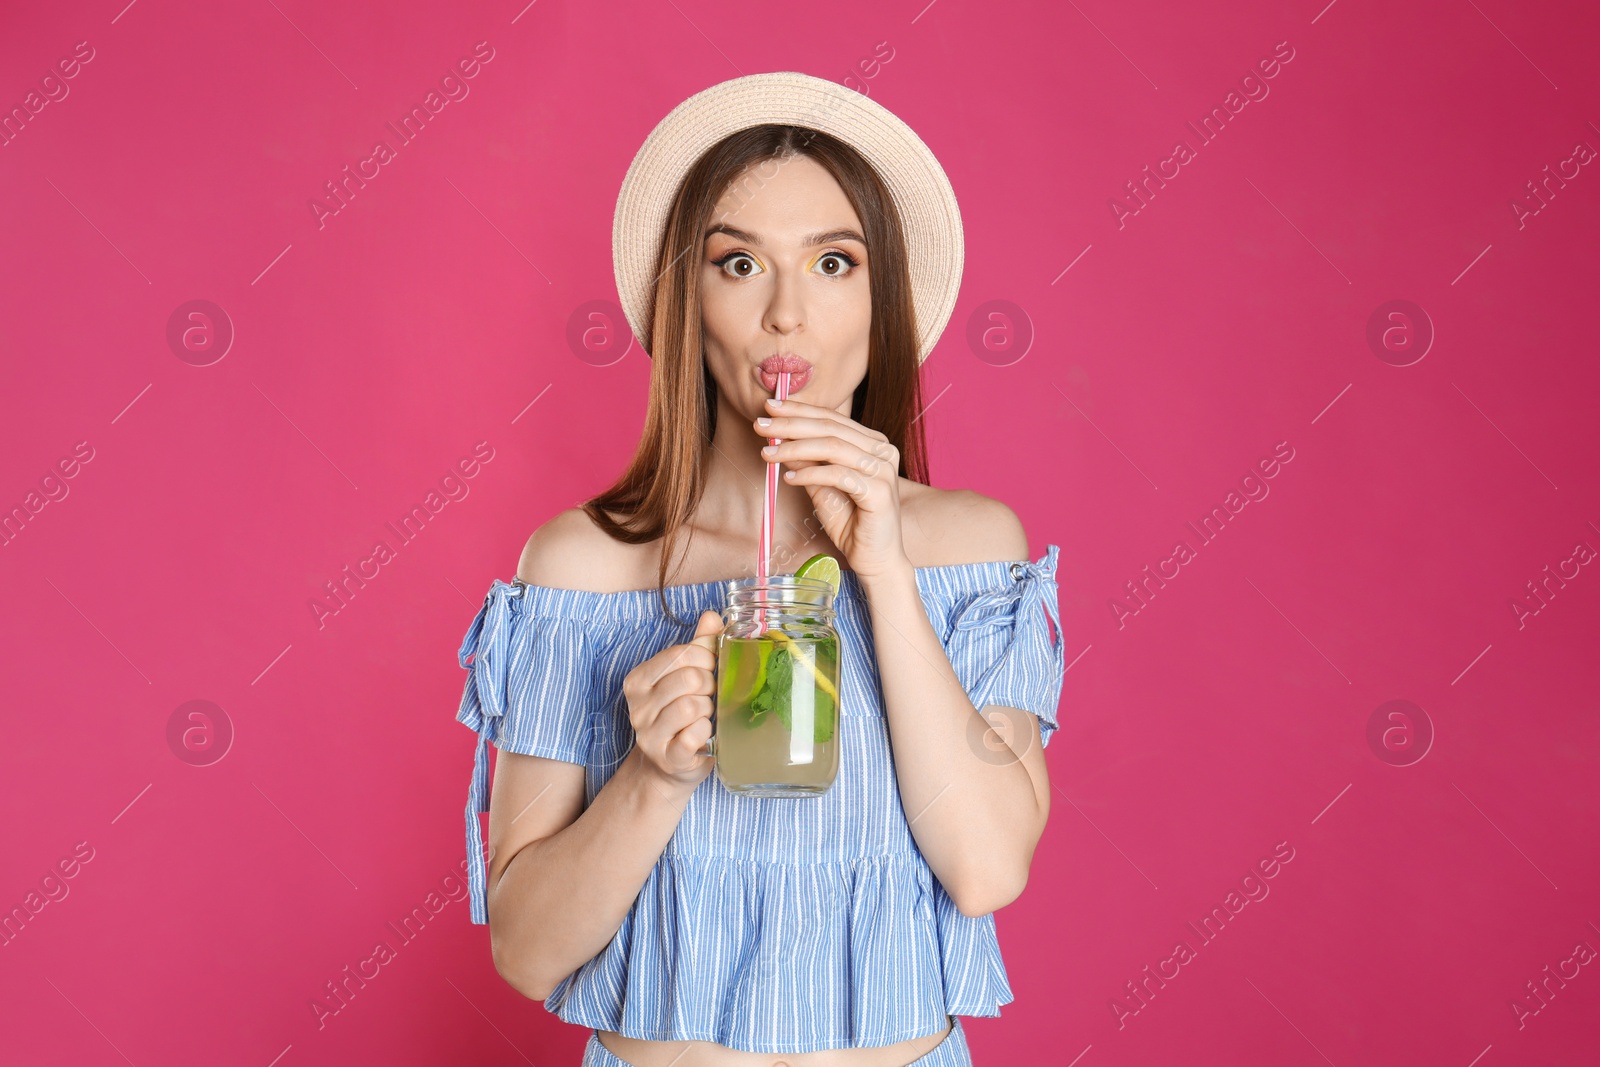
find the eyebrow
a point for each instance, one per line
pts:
(809, 241)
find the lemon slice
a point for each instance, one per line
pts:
(796, 655)
(823, 567)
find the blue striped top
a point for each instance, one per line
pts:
(769, 924)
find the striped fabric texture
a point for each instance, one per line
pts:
(769, 924)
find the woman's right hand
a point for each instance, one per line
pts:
(669, 704)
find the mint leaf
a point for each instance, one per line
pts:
(776, 696)
(780, 683)
(774, 691)
(824, 725)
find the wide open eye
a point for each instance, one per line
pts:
(744, 265)
(833, 261)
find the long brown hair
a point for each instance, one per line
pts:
(659, 491)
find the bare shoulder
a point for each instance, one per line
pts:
(947, 527)
(571, 552)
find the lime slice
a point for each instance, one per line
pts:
(823, 567)
(763, 655)
(748, 674)
(742, 668)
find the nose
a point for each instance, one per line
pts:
(786, 310)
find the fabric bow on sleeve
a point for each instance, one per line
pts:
(484, 651)
(1029, 605)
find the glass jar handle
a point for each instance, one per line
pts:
(710, 747)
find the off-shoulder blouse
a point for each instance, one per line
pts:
(769, 924)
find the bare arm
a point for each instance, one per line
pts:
(977, 813)
(561, 878)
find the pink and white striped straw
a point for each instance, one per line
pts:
(769, 508)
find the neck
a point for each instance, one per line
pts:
(735, 487)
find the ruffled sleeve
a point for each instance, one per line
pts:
(529, 691)
(1005, 644)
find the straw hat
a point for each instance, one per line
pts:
(921, 192)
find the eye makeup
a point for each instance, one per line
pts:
(834, 253)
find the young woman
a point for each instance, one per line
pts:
(624, 885)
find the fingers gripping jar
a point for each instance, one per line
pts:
(776, 722)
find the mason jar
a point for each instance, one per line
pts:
(776, 712)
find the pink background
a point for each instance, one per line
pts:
(1165, 357)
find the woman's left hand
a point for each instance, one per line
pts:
(852, 475)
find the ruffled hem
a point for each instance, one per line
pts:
(787, 958)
